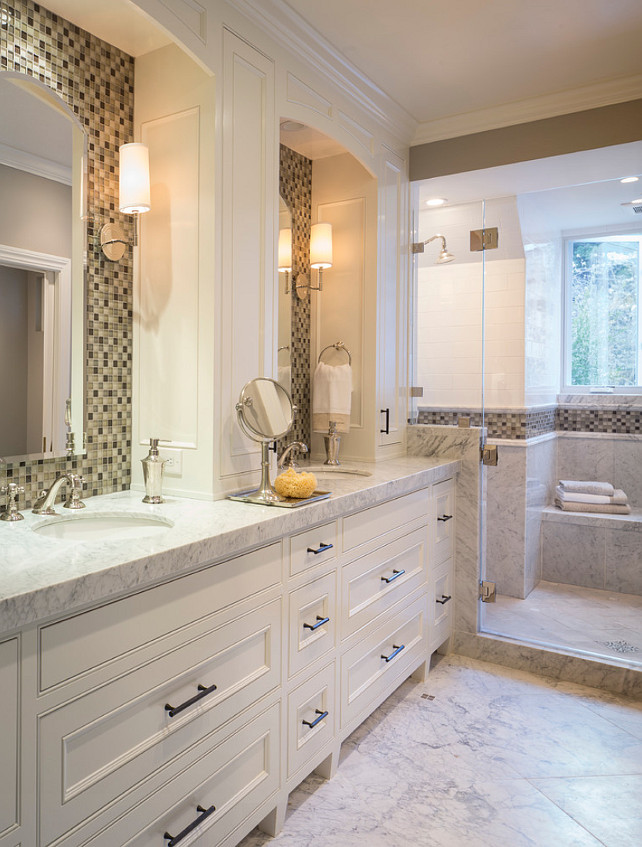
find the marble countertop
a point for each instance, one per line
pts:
(41, 577)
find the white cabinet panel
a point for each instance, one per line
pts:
(364, 527)
(313, 621)
(441, 597)
(313, 547)
(443, 528)
(9, 735)
(311, 719)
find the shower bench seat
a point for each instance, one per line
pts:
(553, 514)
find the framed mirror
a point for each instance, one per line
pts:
(284, 349)
(42, 249)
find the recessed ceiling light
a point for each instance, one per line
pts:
(629, 179)
(292, 126)
(436, 201)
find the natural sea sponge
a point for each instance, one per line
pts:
(293, 484)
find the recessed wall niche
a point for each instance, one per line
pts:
(97, 81)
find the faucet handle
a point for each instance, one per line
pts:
(74, 501)
(289, 450)
(11, 512)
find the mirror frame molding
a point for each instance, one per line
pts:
(77, 260)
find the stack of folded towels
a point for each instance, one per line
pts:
(577, 496)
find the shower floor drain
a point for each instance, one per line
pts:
(621, 646)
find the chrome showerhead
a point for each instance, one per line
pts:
(444, 256)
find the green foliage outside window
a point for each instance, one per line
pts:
(604, 303)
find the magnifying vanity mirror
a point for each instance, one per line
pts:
(42, 244)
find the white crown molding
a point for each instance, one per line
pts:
(536, 108)
(285, 26)
(37, 165)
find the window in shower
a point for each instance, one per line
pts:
(603, 323)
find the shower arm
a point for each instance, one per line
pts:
(418, 246)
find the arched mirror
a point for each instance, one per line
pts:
(42, 242)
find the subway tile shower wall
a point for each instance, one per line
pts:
(97, 81)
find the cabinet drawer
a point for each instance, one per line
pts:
(99, 746)
(372, 523)
(372, 584)
(365, 673)
(443, 529)
(9, 734)
(85, 641)
(311, 719)
(312, 547)
(442, 599)
(309, 607)
(236, 778)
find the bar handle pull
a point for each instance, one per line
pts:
(313, 723)
(444, 518)
(203, 691)
(173, 840)
(313, 626)
(320, 549)
(386, 412)
(395, 575)
(394, 653)
(444, 599)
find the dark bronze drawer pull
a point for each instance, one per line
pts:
(320, 549)
(444, 599)
(313, 723)
(320, 622)
(173, 840)
(394, 653)
(386, 412)
(395, 575)
(203, 692)
(444, 518)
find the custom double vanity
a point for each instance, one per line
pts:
(174, 689)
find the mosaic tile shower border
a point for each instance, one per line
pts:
(523, 425)
(97, 81)
(295, 187)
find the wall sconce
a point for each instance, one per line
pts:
(444, 256)
(285, 255)
(134, 198)
(320, 256)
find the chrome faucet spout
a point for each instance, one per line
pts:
(45, 502)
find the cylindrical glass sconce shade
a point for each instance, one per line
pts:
(134, 190)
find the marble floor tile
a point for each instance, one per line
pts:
(499, 758)
(586, 620)
(609, 807)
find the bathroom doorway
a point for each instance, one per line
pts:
(566, 580)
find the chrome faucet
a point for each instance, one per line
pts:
(295, 445)
(46, 499)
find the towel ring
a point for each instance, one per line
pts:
(338, 345)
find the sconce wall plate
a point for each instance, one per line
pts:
(113, 242)
(302, 285)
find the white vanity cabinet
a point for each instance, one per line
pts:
(9, 741)
(442, 577)
(187, 712)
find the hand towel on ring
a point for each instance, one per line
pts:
(331, 397)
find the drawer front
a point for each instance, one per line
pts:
(442, 597)
(235, 778)
(443, 529)
(312, 547)
(312, 621)
(372, 584)
(365, 673)
(311, 719)
(9, 651)
(75, 645)
(372, 523)
(99, 746)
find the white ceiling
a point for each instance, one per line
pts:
(443, 59)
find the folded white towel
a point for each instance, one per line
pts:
(596, 508)
(332, 389)
(587, 487)
(285, 377)
(619, 498)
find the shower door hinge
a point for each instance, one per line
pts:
(487, 591)
(484, 239)
(489, 454)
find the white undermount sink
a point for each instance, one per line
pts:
(106, 526)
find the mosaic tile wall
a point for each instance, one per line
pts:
(295, 187)
(96, 80)
(522, 425)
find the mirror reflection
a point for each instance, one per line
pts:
(41, 272)
(265, 410)
(284, 350)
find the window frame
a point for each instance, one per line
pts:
(569, 238)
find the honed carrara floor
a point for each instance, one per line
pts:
(479, 756)
(582, 620)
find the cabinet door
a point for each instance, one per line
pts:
(392, 317)
(9, 735)
(443, 528)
